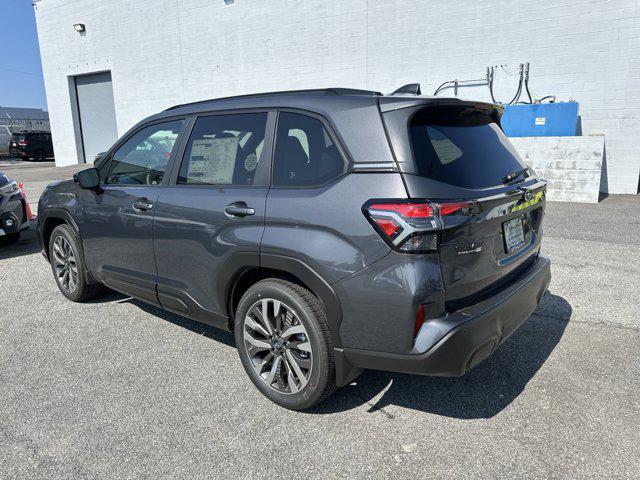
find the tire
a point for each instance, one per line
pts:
(65, 256)
(305, 374)
(10, 239)
(40, 156)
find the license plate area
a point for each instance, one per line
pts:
(513, 234)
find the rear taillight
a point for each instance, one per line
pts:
(22, 143)
(411, 226)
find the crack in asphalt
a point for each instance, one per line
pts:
(586, 322)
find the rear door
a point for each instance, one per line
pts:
(492, 222)
(210, 218)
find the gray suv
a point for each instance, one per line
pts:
(331, 230)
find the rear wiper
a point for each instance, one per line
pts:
(513, 175)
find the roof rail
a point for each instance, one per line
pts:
(311, 91)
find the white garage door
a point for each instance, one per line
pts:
(97, 113)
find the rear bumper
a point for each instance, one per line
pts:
(472, 333)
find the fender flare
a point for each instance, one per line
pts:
(345, 371)
(68, 218)
(55, 213)
(310, 278)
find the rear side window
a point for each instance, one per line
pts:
(462, 147)
(224, 150)
(305, 154)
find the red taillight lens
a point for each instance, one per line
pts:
(22, 143)
(389, 227)
(419, 320)
(409, 210)
(450, 208)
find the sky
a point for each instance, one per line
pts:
(21, 83)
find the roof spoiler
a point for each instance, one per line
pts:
(410, 88)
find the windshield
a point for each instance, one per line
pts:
(462, 147)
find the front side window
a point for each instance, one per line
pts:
(142, 160)
(305, 154)
(224, 150)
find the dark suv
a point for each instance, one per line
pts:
(32, 145)
(332, 230)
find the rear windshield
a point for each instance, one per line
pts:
(462, 147)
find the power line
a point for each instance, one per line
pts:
(20, 71)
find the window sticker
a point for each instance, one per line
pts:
(213, 160)
(445, 149)
(250, 162)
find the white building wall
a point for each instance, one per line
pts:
(164, 52)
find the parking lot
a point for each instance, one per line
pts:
(117, 389)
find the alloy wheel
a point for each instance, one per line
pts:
(278, 346)
(64, 262)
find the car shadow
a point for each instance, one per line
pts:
(482, 393)
(208, 331)
(27, 245)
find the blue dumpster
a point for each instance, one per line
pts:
(541, 120)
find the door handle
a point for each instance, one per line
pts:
(142, 205)
(239, 210)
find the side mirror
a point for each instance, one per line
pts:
(88, 179)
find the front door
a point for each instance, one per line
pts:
(116, 221)
(210, 218)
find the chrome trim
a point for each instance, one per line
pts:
(375, 167)
(526, 248)
(512, 193)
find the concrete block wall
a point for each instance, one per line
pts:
(163, 52)
(571, 165)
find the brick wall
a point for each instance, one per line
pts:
(164, 52)
(571, 165)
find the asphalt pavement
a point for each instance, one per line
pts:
(118, 389)
(36, 175)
